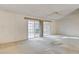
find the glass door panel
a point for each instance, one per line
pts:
(30, 29)
(33, 29)
(36, 29)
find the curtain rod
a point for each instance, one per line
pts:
(31, 18)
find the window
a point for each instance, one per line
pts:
(46, 28)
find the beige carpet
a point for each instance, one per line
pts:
(47, 45)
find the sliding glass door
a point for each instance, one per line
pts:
(33, 29)
(30, 29)
(38, 29)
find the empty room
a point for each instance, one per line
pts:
(39, 29)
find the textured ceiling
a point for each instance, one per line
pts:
(46, 11)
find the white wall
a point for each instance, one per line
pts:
(53, 27)
(69, 25)
(12, 27)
